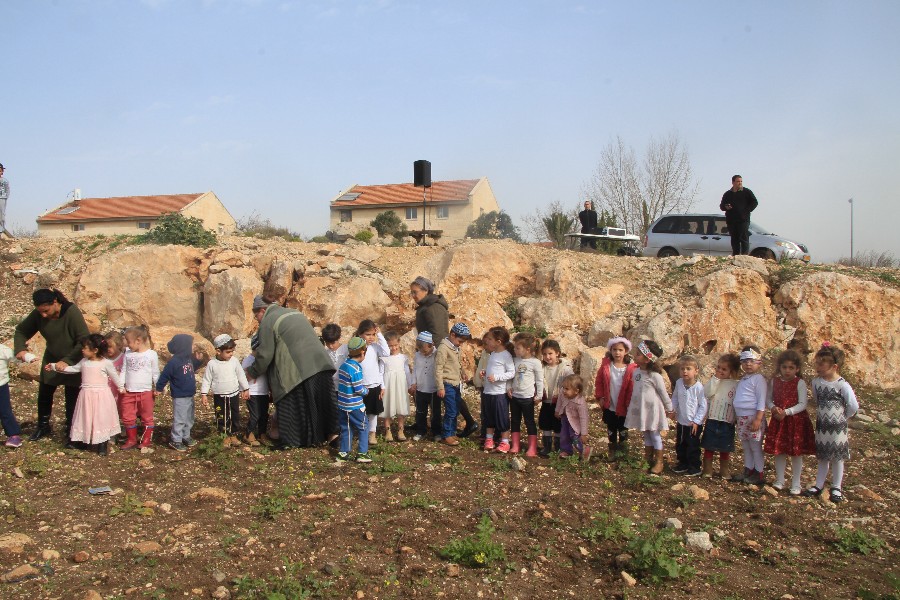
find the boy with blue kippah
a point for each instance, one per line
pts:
(447, 376)
(351, 407)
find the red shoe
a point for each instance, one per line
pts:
(514, 446)
(503, 447)
(146, 438)
(131, 442)
(489, 444)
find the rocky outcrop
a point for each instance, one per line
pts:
(348, 301)
(228, 300)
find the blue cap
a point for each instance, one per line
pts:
(461, 330)
(425, 336)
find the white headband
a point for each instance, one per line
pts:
(751, 355)
(645, 350)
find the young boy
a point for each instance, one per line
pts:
(689, 409)
(229, 385)
(352, 409)
(447, 377)
(179, 374)
(258, 404)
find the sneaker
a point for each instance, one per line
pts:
(693, 472)
(179, 446)
(680, 468)
(343, 456)
(835, 495)
(363, 457)
(795, 492)
(586, 454)
(189, 442)
(13, 441)
(503, 447)
(417, 438)
(469, 430)
(778, 486)
(489, 444)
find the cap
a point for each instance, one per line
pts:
(222, 339)
(461, 330)
(425, 336)
(259, 302)
(356, 343)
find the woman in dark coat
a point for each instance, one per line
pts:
(433, 315)
(62, 325)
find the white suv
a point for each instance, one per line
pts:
(674, 235)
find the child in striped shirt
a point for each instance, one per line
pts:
(352, 409)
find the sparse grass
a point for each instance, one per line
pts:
(857, 541)
(213, 450)
(478, 550)
(871, 259)
(256, 226)
(130, 505)
(683, 500)
(607, 526)
(417, 499)
(655, 553)
(272, 505)
(290, 585)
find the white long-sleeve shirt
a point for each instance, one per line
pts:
(140, 371)
(6, 356)
(750, 395)
(423, 373)
(689, 403)
(224, 377)
(260, 385)
(529, 379)
(801, 398)
(373, 373)
(501, 366)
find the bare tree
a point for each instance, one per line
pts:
(552, 224)
(636, 195)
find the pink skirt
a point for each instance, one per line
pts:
(744, 431)
(96, 418)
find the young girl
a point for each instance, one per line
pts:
(526, 390)
(115, 352)
(556, 368)
(500, 369)
(396, 388)
(478, 380)
(140, 371)
(649, 403)
(422, 388)
(95, 419)
(373, 379)
(790, 431)
(571, 409)
(613, 389)
(718, 434)
(749, 409)
(7, 418)
(835, 404)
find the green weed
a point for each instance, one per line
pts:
(850, 541)
(656, 552)
(269, 507)
(607, 526)
(130, 505)
(477, 550)
(291, 585)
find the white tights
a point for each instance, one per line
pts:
(373, 423)
(796, 470)
(653, 439)
(837, 473)
(753, 455)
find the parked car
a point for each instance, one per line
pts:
(674, 235)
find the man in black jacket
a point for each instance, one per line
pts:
(588, 219)
(738, 203)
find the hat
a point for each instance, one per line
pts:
(356, 343)
(424, 283)
(461, 330)
(618, 340)
(750, 355)
(259, 302)
(425, 336)
(254, 341)
(222, 339)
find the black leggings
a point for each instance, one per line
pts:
(519, 408)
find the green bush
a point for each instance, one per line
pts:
(364, 236)
(319, 239)
(389, 223)
(477, 550)
(175, 228)
(493, 225)
(655, 554)
(256, 226)
(857, 541)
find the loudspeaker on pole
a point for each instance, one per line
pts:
(422, 173)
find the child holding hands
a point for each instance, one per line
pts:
(228, 383)
(571, 408)
(649, 403)
(689, 410)
(718, 434)
(613, 388)
(750, 410)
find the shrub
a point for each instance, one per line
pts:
(175, 228)
(477, 550)
(256, 226)
(493, 225)
(389, 223)
(655, 553)
(364, 236)
(319, 239)
(857, 541)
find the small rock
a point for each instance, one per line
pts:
(49, 554)
(699, 540)
(14, 542)
(360, 594)
(868, 494)
(20, 574)
(672, 523)
(787, 597)
(92, 595)
(370, 536)
(517, 464)
(18, 473)
(677, 487)
(895, 431)
(81, 556)
(698, 493)
(330, 568)
(219, 576)
(147, 450)
(452, 570)
(165, 507)
(753, 546)
(147, 547)
(145, 463)
(864, 418)
(719, 533)
(770, 491)
(209, 493)
(628, 579)
(221, 593)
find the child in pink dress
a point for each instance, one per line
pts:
(95, 419)
(571, 408)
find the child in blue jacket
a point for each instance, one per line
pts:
(179, 374)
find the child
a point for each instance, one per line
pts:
(115, 352)
(258, 403)
(179, 375)
(571, 409)
(500, 369)
(331, 339)
(718, 434)
(351, 407)
(140, 370)
(835, 404)
(448, 376)
(229, 385)
(556, 368)
(95, 419)
(373, 377)
(526, 389)
(7, 418)
(613, 390)
(478, 380)
(396, 388)
(422, 388)
(649, 403)
(749, 409)
(689, 408)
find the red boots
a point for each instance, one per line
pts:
(131, 442)
(532, 446)
(516, 437)
(146, 438)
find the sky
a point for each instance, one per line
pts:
(277, 106)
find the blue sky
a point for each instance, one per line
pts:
(279, 105)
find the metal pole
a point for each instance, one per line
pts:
(851, 232)
(424, 189)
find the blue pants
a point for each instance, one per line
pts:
(7, 418)
(350, 421)
(451, 409)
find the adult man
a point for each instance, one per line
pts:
(4, 196)
(588, 219)
(738, 203)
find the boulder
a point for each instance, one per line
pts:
(346, 301)
(588, 367)
(228, 300)
(830, 307)
(279, 280)
(151, 285)
(161, 336)
(605, 329)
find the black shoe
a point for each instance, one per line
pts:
(468, 430)
(42, 431)
(70, 445)
(102, 449)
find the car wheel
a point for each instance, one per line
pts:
(763, 253)
(667, 252)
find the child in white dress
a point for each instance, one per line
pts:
(396, 388)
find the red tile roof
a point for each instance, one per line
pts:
(123, 207)
(406, 193)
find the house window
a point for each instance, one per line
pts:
(346, 216)
(412, 213)
(143, 224)
(443, 212)
(78, 227)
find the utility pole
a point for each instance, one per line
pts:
(852, 256)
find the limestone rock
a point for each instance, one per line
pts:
(698, 493)
(14, 543)
(148, 547)
(672, 523)
(228, 302)
(348, 301)
(589, 365)
(210, 493)
(92, 595)
(20, 573)
(279, 280)
(162, 335)
(698, 540)
(628, 579)
(604, 329)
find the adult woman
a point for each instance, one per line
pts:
(299, 372)
(433, 315)
(61, 324)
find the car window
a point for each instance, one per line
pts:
(666, 225)
(692, 226)
(718, 226)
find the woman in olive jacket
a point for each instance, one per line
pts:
(62, 326)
